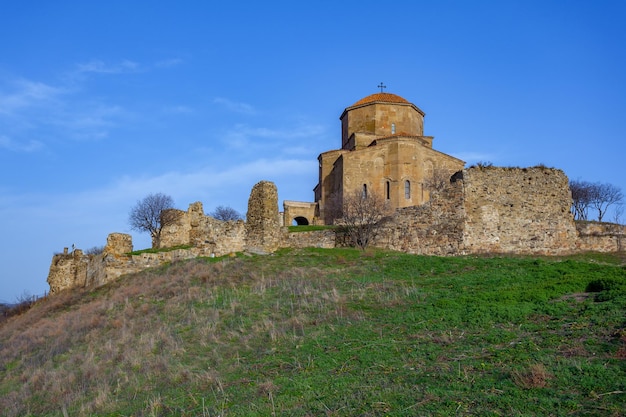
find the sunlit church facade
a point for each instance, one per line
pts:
(383, 151)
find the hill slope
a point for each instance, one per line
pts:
(328, 332)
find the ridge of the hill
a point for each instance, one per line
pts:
(327, 332)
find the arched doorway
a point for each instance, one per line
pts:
(300, 221)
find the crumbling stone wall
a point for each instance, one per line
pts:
(67, 270)
(77, 270)
(263, 231)
(517, 210)
(483, 210)
(213, 236)
(489, 210)
(434, 228)
(313, 239)
(119, 244)
(601, 237)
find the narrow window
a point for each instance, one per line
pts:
(387, 191)
(407, 189)
(393, 128)
(364, 193)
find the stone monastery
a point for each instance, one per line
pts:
(474, 210)
(383, 151)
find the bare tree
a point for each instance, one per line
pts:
(604, 196)
(599, 196)
(581, 198)
(617, 213)
(439, 179)
(96, 250)
(151, 214)
(361, 216)
(226, 214)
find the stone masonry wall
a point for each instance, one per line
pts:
(517, 210)
(68, 270)
(434, 228)
(601, 237)
(263, 231)
(77, 270)
(312, 239)
(196, 229)
(495, 210)
(483, 210)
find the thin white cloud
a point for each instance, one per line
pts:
(287, 141)
(92, 121)
(208, 179)
(11, 145)
(31, 108)
(100, 67)
(27, 94)
(235, 106)
(167, 63)
(473, 157)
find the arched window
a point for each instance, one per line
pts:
(364, 192)
(407, 189)
(387, 190)
(393, 128)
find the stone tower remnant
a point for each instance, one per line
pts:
(263, 230)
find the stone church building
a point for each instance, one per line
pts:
(384, 152)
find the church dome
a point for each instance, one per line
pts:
(381, 97)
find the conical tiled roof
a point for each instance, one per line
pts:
(381, 97)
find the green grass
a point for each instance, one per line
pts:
(159, 250)
(309, 228)
(329, 332)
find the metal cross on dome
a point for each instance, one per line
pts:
(381, 86)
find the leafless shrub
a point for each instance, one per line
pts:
(96, 250)
(23, 303)
(360, 217)
(438, 180)
(482, 165)
(225, 213)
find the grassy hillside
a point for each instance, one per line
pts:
(328, 332)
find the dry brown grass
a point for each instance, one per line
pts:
(83, 350)
(535, 376)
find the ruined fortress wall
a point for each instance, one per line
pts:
(68, 270)
(483, 210)
(177, 231)
(491, 210)
(196, 229)
(77, 270)
(434, 228)
(517, 210)
(601, 237)
(313, 239)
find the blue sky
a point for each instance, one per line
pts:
(102, 103)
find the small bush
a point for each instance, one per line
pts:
(96, 250)
(603, 284)
(607, 289)
(23, 304)
(482, 165)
